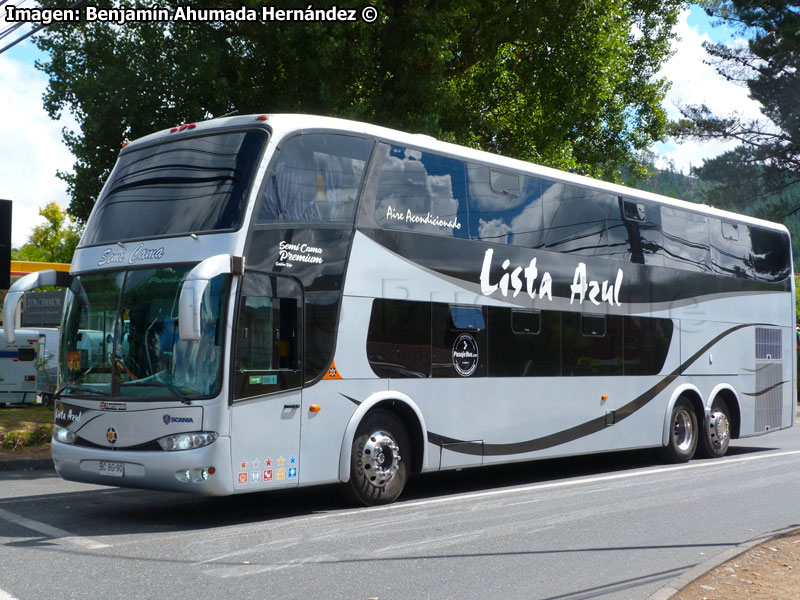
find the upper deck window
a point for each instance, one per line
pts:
(183, 185)
(422, 192)
(316, 177)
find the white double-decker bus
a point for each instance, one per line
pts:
(263, 302)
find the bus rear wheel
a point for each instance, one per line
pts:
(716, 432)
(379, 461)
(683, 433)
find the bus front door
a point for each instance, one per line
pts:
(267, 383)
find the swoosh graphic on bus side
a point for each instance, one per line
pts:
(759, 369)
(353, 400)
(584, 429)
(764, 391)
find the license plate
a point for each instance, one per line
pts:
(113, 469)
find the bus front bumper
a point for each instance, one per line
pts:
(204, 471)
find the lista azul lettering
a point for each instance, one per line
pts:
(515, 279)
(519, 277)
(139, 253)
(580, 286)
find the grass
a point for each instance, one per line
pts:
(25, 426)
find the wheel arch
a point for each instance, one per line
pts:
(406, 410)
(727, 394)
(693, 395)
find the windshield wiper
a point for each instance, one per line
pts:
(90, 391)
(160, 384)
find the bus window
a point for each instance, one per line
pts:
(686, 243)
(315, 178)
(466, 317)
(634, 233)
(321, 310)
(504, 183)
(577, 223)
(526, 321)
(730, 248)
(183, 185)
(458, 341)
(422, 192)
(504, 207)
(770, 254)
(267, 354)
(592, 344)
(399, 338)
(647, 341)
(524, 343)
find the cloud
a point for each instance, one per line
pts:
(31, 150)
(696, 82)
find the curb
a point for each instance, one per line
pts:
(681, 581)
(26, 464)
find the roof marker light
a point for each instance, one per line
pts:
(262, 118)
(173, 130)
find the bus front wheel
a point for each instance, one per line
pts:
(379, 461)
(683, 433)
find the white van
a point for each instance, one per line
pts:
(18, 367)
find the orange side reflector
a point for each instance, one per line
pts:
(604, 397)
(315, 408)
(333, 372)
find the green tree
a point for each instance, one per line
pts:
(758, 176)
(565, 83)
(52, 241)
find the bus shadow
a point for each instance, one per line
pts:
(120, 511)
(541, 471)
(745, 450)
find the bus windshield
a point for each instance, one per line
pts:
(120, 337)
(184, 185)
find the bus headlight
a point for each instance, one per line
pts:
(187, 441)
(64, 435)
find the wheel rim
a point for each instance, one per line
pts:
(380, 458)
(683, 430)
(719, 430)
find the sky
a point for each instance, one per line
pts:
(32, 150)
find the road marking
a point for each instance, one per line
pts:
(6, 596)
(558, 484)
(65, 537)
(225, 570)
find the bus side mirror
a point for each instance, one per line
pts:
(31, 281)
(190, 302)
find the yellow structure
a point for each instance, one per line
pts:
(19, 268)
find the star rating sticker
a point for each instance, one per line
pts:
(281, 461)
(292, 460)
(269, 462)
(244, 464)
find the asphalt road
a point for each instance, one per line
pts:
(613, 526)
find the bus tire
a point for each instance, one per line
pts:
(380, 460)
(716, 434)
(683, 433)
